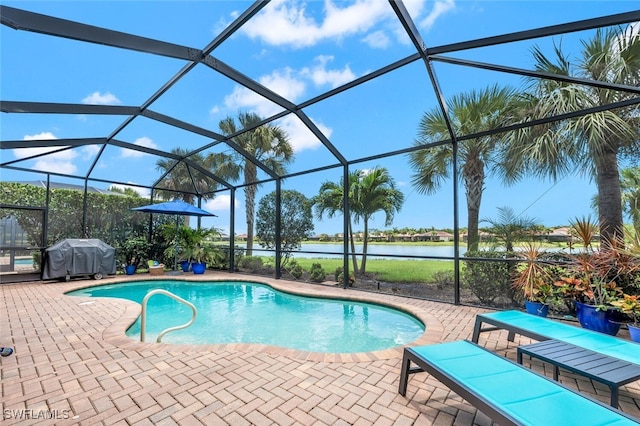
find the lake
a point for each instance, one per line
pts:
(373, 250)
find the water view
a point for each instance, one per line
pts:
(374, 251)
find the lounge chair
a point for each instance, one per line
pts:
(503, 390)
(539, 328)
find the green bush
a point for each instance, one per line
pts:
(443, 279)
(487, 279)
(316, 273)
(251, 263)
(295, 269)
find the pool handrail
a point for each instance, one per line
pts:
(143, 315)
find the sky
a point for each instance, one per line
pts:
(298, 50)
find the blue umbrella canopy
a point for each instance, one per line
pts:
(177, 207)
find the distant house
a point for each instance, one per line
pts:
(437, 236)
(483, 236)
(378, 236)
(559, 235)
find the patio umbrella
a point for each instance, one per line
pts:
(178, 208)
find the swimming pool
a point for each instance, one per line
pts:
(246, 312)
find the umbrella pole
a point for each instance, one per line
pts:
(175, 248)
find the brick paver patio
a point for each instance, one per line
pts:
(73, 364)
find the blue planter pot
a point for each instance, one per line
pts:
(198, 268)
(634, 332)
(130, 269)
(185, 265)
(537, 308)
(593, 319)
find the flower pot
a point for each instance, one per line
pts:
(537, 308)
(596, 320)
(130, 269)
(634, 332)
(198, 268)
(185, 264)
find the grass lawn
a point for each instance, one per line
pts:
(389, 270)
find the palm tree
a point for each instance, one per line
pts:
(370, 191)
(592, 143)
(375, 191)
(183, 182)
(509, 227)
(268, 144)
(330, 200)
(470, 113)
(630, 185)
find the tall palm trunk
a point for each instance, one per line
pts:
(186, 220)
(609, 196)
(473, 172)
(354, 258)
(250, 198)
(363, 264)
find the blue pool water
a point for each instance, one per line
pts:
(243, 312)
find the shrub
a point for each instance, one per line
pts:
(295, 269)
(251, 263)
(316, 273)
(443, 279)
(487, 279)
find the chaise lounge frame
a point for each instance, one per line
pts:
(539, 328)
(495, 391)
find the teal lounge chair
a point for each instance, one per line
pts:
(539, 328)
(505, 391)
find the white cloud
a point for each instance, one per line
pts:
(220, 203)
(143, 141)
(377, 40)
(300, 137)
(320, 75)
(282, 82)
(59, 162)
(439, 8)
(287, 23)
(28, 152)
(97, 98)
(56, 165)
(90, 151)
(290, 85)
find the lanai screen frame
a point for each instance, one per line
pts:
(28, 21)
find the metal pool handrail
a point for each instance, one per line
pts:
(143, 315)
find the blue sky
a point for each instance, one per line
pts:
(299, 50)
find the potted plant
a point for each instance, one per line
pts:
(133, 251)
(533, 278)
(596, 277)
(591, 282)
(197, 250)
(630, 305)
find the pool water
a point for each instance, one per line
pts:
(244, 312)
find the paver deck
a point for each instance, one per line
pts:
(73, 364)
